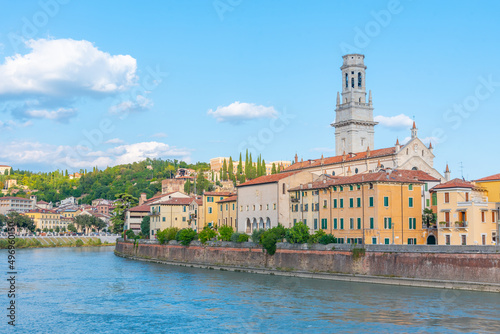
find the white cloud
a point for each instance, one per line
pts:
(63, 67)
(398, 122)
(61, 115)
(47, 81)
(140, 104)
(10, 125)
(65, 156)
(114, 141)
(241, 111)
(159, 135)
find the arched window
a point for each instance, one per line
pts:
(359, 79)
(284, 190)
(346, 80)
(333, 173)
(352, 82)
(414, 168)
(356, 171)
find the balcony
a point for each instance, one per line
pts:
(461, 224)
(154, 213)
(445, 225)
(294, 200)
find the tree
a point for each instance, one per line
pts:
(273, 169)
(188, 187)
(72, 228)
(86, 222)
(21, 221)
(263, 168)
(240, 167)
(224, 171)
(3, 220)
(230, 170)
(124, 202)
(57, 229)
(145, 224)
(428, 217)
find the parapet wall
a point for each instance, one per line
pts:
(466, 264)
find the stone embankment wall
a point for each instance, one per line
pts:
(463, 267)
(45, 240)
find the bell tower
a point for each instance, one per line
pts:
(354, 125)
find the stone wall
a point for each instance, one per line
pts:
(470, 265)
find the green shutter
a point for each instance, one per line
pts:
(371, 201)
(386, 201)
(410, 202)
(335, 203)
(335, 223)
(341, 202)
(341, 223)
(351, 202)
(359, 223)
(371, 223)
(359, 202)
(315, 223)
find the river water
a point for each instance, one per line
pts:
(90, 290)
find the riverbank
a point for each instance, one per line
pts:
(467, 268)
(58, 241)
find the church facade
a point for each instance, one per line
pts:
(354, 134)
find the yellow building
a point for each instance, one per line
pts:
(372, 208)
(210, 207)
(171, 213)
(47, 219)
(464, 214)
(492, 185)
(227, 212)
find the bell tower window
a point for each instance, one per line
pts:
(359, 80)
(346, 80)
(352, 82)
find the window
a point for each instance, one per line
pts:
(427, 202)
(324, 223)
(447, 197)
(335, 223)
(221, 207)
(410, 202)
(305, 221)
(374, 240)
(260, 207)
(350, 187)
(274, 206)
(493, 220)
(233, 206)
(412, 223)
(227, 207)
(359, 223)
(315, 223)
(163, 218)
(284, 189)
(183, 219)
(464, 239)
(388, 223)
(386, 241)
(371, 202)
(351, 223)
(346, 80)
(325, 203)
(434, 199)
(335, 203)
(209, 210)
(267, 206)
(294, 222)
(352, 82)
(247, 208)
(221, 198)
(341, 223)
(341, 188)
(371, 223)
(341, 202)
(306, 207)
(358, 202)
(447, 239)
(447, 216)
(410, 187)
(254, 207)
(466, 197)
(483, 216)
(412, 241)
(483, 239)
(356, 170)
(386, 201)
(351, 202)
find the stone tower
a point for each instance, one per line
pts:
(354, 125)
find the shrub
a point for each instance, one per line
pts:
(243, 238)
(225, 233)
(298, 234)
(167, 234)
(185, 236)
(208, 233)
(78, 243)
(314, 239)
(268, 240)
(327, 239)
(256, 235)
(130, 234)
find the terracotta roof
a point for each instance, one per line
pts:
(140, 208)
(340, 158)
(5, 166)
(218, 193)
(228, 199)
(41, 211)
(495, 177)
(419, 174)
(11, 197)
(268, 178)
(178, 201)
(42, 202)
(383, 176)
(455, 183)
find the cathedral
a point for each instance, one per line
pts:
(354, 134)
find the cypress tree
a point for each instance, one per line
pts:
(273, 169)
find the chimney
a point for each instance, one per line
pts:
(143, 198)
(447, 173)
(296, 158)
(398, 147)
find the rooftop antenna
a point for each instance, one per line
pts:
(462, 169)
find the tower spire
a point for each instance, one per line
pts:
(414, 131)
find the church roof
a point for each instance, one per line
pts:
(340, 158)
(268, 178)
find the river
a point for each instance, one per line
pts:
(90, 290)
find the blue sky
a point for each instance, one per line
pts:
(101, 83)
